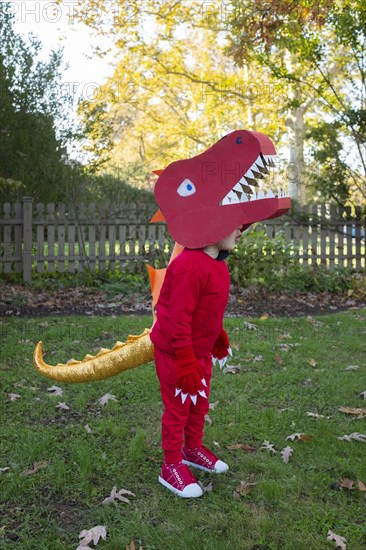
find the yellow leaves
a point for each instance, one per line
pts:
(264, 317)
(312, 363)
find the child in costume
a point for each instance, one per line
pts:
(187, 333)
(207, 202)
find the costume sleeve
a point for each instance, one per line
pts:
(185, 293)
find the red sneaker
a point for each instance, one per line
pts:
(179, 479)
(203, 458)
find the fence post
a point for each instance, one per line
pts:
(27, 239)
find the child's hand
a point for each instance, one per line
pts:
(189, 375)
(221, 349)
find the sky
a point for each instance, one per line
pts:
(54, 26)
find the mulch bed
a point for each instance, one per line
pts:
(17, 300)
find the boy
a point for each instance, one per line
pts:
(187, 333)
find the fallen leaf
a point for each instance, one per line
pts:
(352, 367)
(87, 428)
(299, 436)
(13, 396)
(244, 446)
(208, 419)
(346, 483)
(62, 406)
(312, 362)
(231, 369)
(286, 453)
(250, 326)
(118, 495)
(340, 541)
(363, 395)
(244, 487)
(212, 406)
(279, 360)
(360, 412)
(216, 443)
(93, 534)
(361, 486)
(268, 446)
(316, 415)
(208, 488)
(258, 358)
(107, 397)
(56, 390)
(355, 435)
(264, 317)
(2, 470)
(36, 466)
(132, 546)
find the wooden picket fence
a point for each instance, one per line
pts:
(48, 238)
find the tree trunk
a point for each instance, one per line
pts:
(295, 173)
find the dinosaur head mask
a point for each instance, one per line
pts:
(204, 198)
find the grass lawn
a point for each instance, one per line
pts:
(288, 367)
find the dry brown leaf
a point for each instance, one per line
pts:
(13, 396)
(286, 453)
(361, 486)
(340, 541)
(299, 436)
(118, 495)
(244, 487)
(36, 466)
(231, 369)
(208, 419)
(62, 406)
(353, 436)
(279, 360)
(359, 411)
(264, 317)
(107, 397)
(93, 534)
(346, 483)
(312, 362)
(268, 446)
(132, 546)
(212, 406)
(244, 446)
(55, 390)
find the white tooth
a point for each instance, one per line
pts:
(193, 398)
(260, 195)
(177, 391)
(203, 393)
(243, 181)
(270, 194)
(184, 397)
(254, 196)
(250, 174)
(233, 197)
(259, 162)
(226, 200)
(238, 187)
(244, 198)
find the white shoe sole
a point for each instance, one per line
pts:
(194, 492)
(223, 467)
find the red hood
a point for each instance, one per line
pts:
(205, 198)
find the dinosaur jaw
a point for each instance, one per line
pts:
(248, 188)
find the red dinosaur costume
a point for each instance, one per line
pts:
(204, 200)
(207, 202)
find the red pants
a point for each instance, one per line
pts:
(178, 417)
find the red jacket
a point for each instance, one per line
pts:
(192, 303)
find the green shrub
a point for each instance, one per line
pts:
(273, 263)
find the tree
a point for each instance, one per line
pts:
(32, 154)
(318, 48)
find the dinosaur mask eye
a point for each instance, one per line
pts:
(186, 188)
